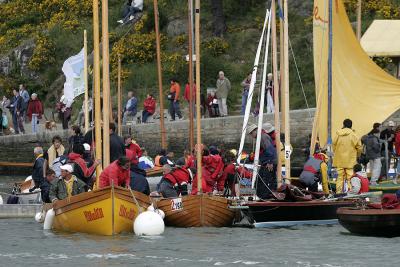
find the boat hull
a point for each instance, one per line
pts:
(197, 211)
(107, 211)
(385, 187)
(371, 222)
(270, 213)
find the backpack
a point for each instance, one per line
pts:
(4, 122)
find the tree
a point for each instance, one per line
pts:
(219, 24)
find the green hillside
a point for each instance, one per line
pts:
(56, 27)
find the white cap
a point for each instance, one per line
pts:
(34, 94)
(268, 127)
(67, 167)
(86, 146)
(251, 128)
(391, 123)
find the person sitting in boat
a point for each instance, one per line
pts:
(45, 188)
(37, 173)
(117, 173)
(67, 185)
(229, 180)
(55, 151)
(133, 146)
(268, 164)
(315, 171)
(359, 181)
(117, 146)
(138, 180)
(175, 180)
(168, 184)
(87, 155)
(81, 170)
(182, 176)
(145, 162)
(212, 168)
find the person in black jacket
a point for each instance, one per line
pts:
(138, 180)
(76, 137)
(45, 188)
(16, 109)
(117, 146)
(37, 173)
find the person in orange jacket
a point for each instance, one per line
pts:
(173, 97)
(116, 173)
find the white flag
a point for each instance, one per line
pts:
(73, 69)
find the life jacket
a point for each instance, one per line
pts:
(364, 184)
(157, 161)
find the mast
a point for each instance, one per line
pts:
(159, 71)
(106, 84)
(190, 39)
(330, 85)
(96, 83)
(359, 9)
(85, 73)
(276, 92)
(286, 89)
(198, 115)
(282, 64)
(119, 97)
(262, 100)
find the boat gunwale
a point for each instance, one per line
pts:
(367, 212)
(297, 203)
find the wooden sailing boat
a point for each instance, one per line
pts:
(197, 210)
(109, 210)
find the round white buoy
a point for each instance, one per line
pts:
(160, 212)
(1, 200)
(150, 208)
(39, 217)
(48, 221)
(148, 223)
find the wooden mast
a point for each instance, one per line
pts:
(276, 92)
(281, 64)
(159, 70)
(85, 73)
(96, 83)
(190, 39)
(286, 88)
(359, 9)
(119, 97)
(198, 115)
(106, 85)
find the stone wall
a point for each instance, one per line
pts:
(224, 132)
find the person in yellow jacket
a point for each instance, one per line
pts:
(346, 148)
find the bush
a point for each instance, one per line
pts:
(215, 46)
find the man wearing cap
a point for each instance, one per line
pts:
(270, 130)
(268, 162)
(387, 135)
(67, 185)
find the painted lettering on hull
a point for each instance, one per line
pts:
(125, 213)
(96, 214)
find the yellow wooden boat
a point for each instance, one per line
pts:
(107, 211)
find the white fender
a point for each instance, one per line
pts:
(1, 200)
(160, 212)
(48, 221)
(148, 223)
(39, 217)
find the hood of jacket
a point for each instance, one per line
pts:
(344, 132)
(73, 156)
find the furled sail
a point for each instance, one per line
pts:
(361, 90)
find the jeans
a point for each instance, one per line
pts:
(126, 115)
(223, 109)
(375, 166)
(18, 123)
(244, 101)
(145, 116)
(35, 123)
(174, 109)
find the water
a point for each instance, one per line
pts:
(24, 243)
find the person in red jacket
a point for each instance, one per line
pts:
(149, 107)
(212, 167)
(81, 170)
(131, 155)
(175, 180)
(133, 146)
(117, 173)
(228, 181)
(359, 181)
(34, 112)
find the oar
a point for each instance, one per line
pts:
(140, 209)
(363, 195)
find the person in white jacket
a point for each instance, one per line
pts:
(130, 9)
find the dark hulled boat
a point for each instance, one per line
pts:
(371, 222)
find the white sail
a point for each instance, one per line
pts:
(261, 112)
(251, 89)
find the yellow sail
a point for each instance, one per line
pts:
(361, 90)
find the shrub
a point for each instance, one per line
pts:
(215, 46)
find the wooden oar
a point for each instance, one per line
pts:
(140, 209)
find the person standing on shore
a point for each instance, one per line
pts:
(25, 97)
(246, 86)
(149, 107)
(34, 112)
(223, 88)
(16, 108)
(173, 97)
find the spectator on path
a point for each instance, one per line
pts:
(64, 111)
(16, 108)
(173, 97)
(130, 9)
(388, 137)
(81, 115)
(346, 148)
(223, 88)
(67, 185)
(187, 96)
(130, 109)
(34, 112)
(269, 94)
(246, 86)
(75, 138)
(149, 107)
(5, 104)
(213, 107)
(3, 123)
(373, 153)
(25, 96)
